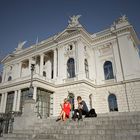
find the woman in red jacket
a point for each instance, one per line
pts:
(65, 112)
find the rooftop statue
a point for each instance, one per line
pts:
(20, 45)
(73, 22)
(123, 18)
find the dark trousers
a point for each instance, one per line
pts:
(78, 113)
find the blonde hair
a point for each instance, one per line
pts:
(65, 99)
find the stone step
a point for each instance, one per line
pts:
(94, 131)
(98, 125)
(96, 137)
(87, 122)
(49, 120)
(82, 136)
(16, 138)
(60, 129)
(19, 135)
(83, 131)
(117, 126)
(27, 136)
(97, 119)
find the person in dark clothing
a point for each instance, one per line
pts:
(81, 110)
(91, 113)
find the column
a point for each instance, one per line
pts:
(81, 57)
(18, 100)
(41, 64)
(3, 74)
(54, 63)
(1, 104)
(4, 102)
(35, 93)
(15, 101)
(76, 57)
(19, 66)
(30, 62)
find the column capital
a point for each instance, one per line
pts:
(41, 54)
(55, 48)
(41, 63)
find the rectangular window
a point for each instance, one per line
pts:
(24, 96)
(9, 102)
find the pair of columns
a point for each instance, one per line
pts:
(54, 64)
(41, 66)
(16, 101)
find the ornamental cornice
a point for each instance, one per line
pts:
(51, 42)
(79, 31)
(74, 33)
(25, 82)
(111, 34)
(95, 85)
(40, 47)
(8, 86)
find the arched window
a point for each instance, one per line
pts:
(9, 78)
(86, 68)
(108, 70)
(71, 47)
(71, 68)
(112, 101)
(44, 73)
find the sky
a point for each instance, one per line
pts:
(25, 20)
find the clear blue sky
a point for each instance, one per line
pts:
(26, 19)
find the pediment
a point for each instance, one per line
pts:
(65, 33)
(71, 31)
(8, 57)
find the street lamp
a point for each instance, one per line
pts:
(31, 89)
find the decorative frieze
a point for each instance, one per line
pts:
(69, 50)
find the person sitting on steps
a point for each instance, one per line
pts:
(81, 110)
(65, 110)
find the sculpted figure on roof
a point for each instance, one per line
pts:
(74, 22)
(123, 18)
(20, 45)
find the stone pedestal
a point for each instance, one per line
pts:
(28, 117)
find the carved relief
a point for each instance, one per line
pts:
(86, 52)
(106, 49)
(9, 70)
(69, 50)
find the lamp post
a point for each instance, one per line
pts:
(31, 89)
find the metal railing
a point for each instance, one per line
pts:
(7, 121)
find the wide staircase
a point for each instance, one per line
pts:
(112, 126)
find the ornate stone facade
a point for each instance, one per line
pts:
(103, 68)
